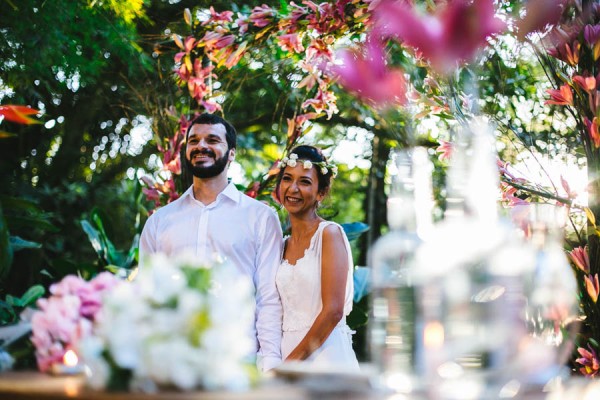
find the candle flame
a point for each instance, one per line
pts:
(434, 335)
(70, 359)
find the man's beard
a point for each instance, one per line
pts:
(207, 172)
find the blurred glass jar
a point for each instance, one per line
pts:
(394, 328)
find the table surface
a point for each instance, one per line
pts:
(17, 385)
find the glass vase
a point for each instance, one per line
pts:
(394, 321)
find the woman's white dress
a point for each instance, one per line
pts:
(299, 286)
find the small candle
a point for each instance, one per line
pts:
(69, 366)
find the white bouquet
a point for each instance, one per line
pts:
(178, 324)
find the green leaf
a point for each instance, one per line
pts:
(32, 295)
(6, 251)
(94, 238)
(18, 243)
(113, 256)
(355, 229)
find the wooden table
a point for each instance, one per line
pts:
(30, 385)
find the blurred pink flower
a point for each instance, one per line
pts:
(262, 16)
(581, 259)
(216, 17)
(290, 42)
(587, 83)
(594, 134)
(368, 76)
(451, 36)
(445, 150)
(67, 315)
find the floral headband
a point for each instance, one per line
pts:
(292, 161)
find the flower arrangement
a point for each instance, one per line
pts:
(67, 316)
(178, 324)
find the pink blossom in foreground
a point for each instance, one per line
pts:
(368, 76)
(453, 35)
(579, 256)
(589, 361)
(67, 315)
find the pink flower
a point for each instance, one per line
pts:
(589, 361)
(323, 101)
(290, 42)
(592, 286)
(262, 16)
(216, 17)
(368, 77)
(593, 132)
(445, 150)
(579, 256)
(453, 35)
(66, 316)
(587, 83)
(561, 97)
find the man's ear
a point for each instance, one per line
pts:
(231, 155)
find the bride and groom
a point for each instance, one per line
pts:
(303, 283)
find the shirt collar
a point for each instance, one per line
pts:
(230, 192)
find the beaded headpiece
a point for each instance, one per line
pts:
(323, 166)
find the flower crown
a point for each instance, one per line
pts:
(323, 166)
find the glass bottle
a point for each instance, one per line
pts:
(394, 325)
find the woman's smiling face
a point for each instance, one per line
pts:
(299, 189)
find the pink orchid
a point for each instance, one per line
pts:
(453, 35)
(318, 49)
(325, 100)
(592, 286)
(368, 77)
(579, 256)
(589, 361)
(290, 42)
(445, 150)
(562, 96)
(216, 17)
(262, 16)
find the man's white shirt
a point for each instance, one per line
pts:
(241, 229)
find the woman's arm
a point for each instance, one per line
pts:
(334, 273)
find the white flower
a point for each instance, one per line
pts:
(324, 170)
(168, 328)
(284, 161)
(292, 162)
(307, 164)
(334, 171)
(293, 156)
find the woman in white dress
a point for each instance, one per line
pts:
(315, 276)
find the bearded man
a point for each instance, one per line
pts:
(213, 218)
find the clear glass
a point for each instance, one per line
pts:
(394, 325)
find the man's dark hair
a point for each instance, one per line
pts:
(212, 119)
